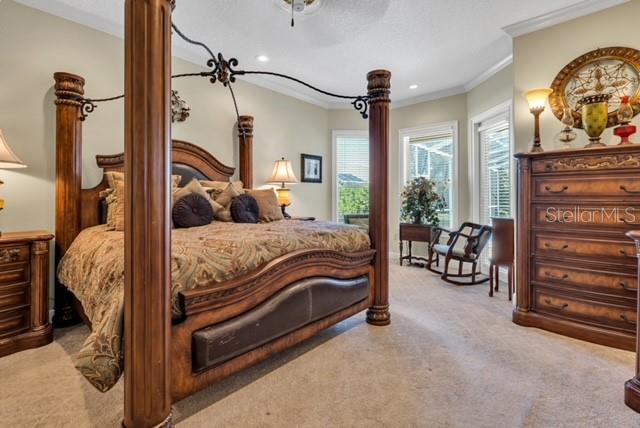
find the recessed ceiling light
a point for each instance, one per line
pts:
(414, 86)
(262, 58)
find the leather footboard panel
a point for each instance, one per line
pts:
(294, 307)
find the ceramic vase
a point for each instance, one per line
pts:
(595, 115)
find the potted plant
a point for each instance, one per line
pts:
(421, 203)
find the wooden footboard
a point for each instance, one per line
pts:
(210, 306)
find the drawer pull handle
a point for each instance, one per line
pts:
(624, 189)
(564, 247)
(552, 276)
(11, 255)
(566, 217)
(548, 189)
(624, 253)
(626, 287)
(626, 319)
(560, 307)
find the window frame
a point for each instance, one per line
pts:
(335, 134)
(403, 138)
(475, 123)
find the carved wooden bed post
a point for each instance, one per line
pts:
(69, 91)
(379, 88)
(245, 135)
(147, 326)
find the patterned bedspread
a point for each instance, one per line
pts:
(93, 269)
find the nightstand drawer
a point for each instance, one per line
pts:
(14, 297)
(13, 322)
(14, 254)
(14, 274)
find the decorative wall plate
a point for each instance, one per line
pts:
(614, 71)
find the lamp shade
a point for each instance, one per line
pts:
(283, 172)
(8, 159)
(537, 98)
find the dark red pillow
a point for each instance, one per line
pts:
(192, 211)
(244, 209)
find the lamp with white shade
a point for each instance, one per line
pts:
(8, 160)
(283, 174)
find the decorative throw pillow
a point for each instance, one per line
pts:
(225, 196)
(194, 187)
(244, 209)
(221, 185)
(115, 207)
(267, 203)
(192, 210)
(114, 197)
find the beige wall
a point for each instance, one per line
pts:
(34, 45)
(490, 93)
(539, 56)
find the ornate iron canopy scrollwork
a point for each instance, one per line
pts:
(225, 72)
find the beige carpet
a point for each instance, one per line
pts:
(451, 358)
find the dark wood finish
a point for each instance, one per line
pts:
(245, 137)
(147, 315)
(379, 89)
(24, 291)
(502, 254)
(576, 269)
(632, 386)
(413, 233)
(473, 238)
(69, 89)
(212, 305)
(147, 251)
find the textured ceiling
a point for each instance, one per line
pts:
(439, 45)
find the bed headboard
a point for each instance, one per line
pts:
(188, 161)
(78, 208)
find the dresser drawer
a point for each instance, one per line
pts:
(14, 254)
(15, 273)
(619, 217)
(586, 186)
(591, 280)
(591, 249)
(14, 297)
(616, 158)
(13, 322)
(605, 314)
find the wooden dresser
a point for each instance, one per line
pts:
(24, 291)
(576, 270)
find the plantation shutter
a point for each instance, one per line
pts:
(495, 173)
(352, 176)
(431, 156)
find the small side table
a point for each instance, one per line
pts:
(413, 233)
(24, 291)
(502, 253)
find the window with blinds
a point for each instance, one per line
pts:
(494, 170)
(352, 175)
(430, 154)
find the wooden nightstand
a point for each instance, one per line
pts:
(24, 291)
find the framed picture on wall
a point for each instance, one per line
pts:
(311, 167)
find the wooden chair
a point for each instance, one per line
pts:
(502, 254)
(464, 246)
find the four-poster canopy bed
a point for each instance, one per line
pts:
(167, 358)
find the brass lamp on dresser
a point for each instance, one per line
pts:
(576, 270)
(24, 290)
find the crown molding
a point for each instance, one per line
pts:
(488, 73)
(586, 7)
